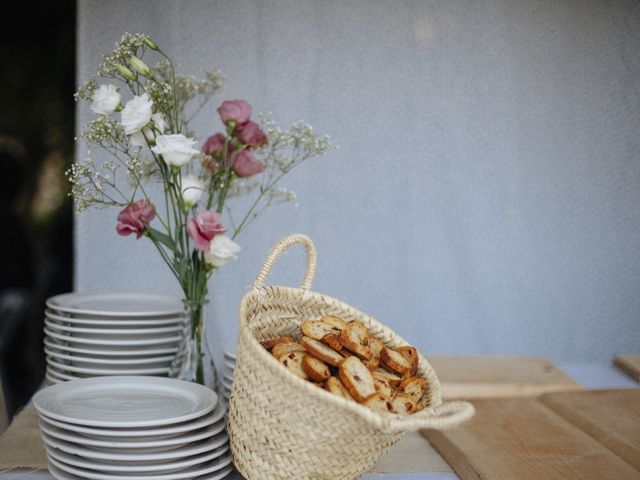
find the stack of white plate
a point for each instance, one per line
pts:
(125, 428)
(227, 376)
(101, 334)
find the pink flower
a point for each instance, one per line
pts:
(134, 217)
(246, 165)
(237, 111)
(214, 145)
(252, 135)
(203, 227)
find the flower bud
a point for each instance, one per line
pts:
(141, 67)
(150, 43)
(125, 72)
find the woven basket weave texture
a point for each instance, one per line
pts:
(283, 427)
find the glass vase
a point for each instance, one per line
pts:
(194, 362)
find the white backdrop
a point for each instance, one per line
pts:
(486, 194)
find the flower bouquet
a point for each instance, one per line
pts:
(171, 192)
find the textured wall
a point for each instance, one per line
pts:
(486, 194)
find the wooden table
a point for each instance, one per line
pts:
(413, 458)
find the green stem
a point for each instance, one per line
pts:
(175, 98)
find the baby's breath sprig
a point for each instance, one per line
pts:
(92, 188)
(128, 46)
(104, 131)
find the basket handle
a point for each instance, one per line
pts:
(446, 415)
(279, 248)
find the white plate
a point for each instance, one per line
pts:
(107, 371)
(116, 304)
(144, 434)
(60, 376)
(230, 366)
(227, 385)
(212, 466)
(128, 457)
(79, 360)
(117, 322)
(230, 356)
(63, 475)
(165, 341)
(115, 332)
(111, 351)
(128, 402)
(228, 377)
(51, 380)
(128, 443)
(128, 468)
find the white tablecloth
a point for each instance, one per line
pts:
(414, 447)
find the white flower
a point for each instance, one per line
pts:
(136, 114)
(176, 149)
(137, 139)
(221, 251)
(192, 188)
(106, 99)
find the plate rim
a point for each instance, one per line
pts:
(108, 372)
(108, 361)
(176, 454)
(50, 303)
(210, 397)
(119, 343)
(226, 460)
(176, 319)
(189, 437)
(114, 331)
(61, 474)
(213, 417)
(107, 353)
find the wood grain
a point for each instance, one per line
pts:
(612, 417)
(499, 377)
(629, 364)
(521, 439)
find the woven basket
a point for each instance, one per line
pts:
(283, 427)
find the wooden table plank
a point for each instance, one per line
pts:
(521, 439)
(499, 377)
(612, 417)
(629, 364)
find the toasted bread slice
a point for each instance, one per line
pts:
(402, 404)
(378, 402)
(376, 347)
(333, 341)
(322, 351)
(393, 379)
(334, 321)
(422, 404)
(357, 378)
(317, 329)
(334, 385)
(383, 386)
(293, 361)
(286, 347)
(414, 387)
(355, 338)
(316, 369)
(272, 342)
(394, 361)
(411, 355)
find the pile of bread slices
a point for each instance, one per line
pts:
(345, 359)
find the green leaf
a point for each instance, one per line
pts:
(161, 237)
(181, 265)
